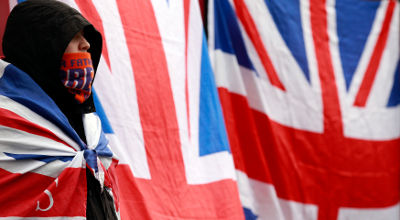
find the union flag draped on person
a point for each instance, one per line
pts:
(157, 99)
(310, 98)
(310, 92)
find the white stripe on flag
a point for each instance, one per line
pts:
(31, 116)
(3, 66)
(262, 197)
(389, 213)
(20, 142)
(13, 3)
(124, 110)
(52, 169)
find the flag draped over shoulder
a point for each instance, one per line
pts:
(310, 92)
(156, 96)
(157, 99)
(42, 160)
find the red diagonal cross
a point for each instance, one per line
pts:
(250, 27)
(328, 169)
(167, 195)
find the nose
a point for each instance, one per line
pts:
(84, 44)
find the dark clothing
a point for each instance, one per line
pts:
(100, 204)
(36, 36)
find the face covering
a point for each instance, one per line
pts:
(77, 74)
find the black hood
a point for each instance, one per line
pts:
(36, 36)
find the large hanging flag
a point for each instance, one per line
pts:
(156, 96)
(310, 92)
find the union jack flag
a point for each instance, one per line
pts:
(159, 107)
(43, 161)
(310, 92)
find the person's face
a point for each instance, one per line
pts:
(78, 44)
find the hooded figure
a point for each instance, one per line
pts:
(36, 36)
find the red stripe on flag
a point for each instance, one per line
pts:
(251, 29)
(319, 25)
(89, 11)
(333, 127)
(186, 8)
(17, 194)
(167, 194)
(153, 89)
(12, 120)
(329, 172)
(111, 181)
(22, 194)
(242, 131)
(202, 9)
(4, 11)
(370, 73)
(143, 199)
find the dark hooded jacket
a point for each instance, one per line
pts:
(36, 36)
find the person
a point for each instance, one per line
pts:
(60, 50)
